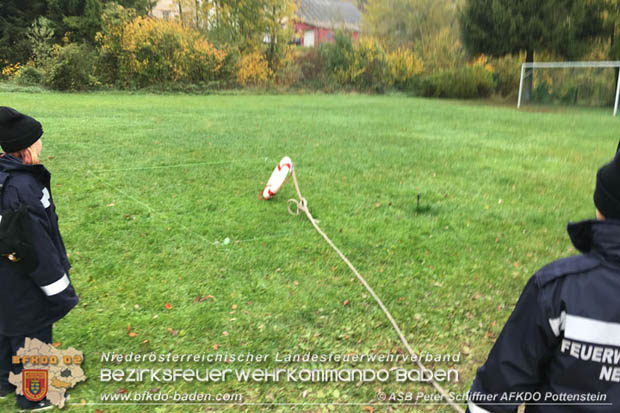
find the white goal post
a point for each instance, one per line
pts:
(565, 65)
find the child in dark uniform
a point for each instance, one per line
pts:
(35, 289)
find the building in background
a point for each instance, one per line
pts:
(317, 21)
(165, 9)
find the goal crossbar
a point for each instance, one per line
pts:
(566, 65)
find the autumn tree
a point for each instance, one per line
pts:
(407, 23)
(258, 25)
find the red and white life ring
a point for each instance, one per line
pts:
(278, 176)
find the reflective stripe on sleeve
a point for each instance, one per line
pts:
(57, 286)
(476, 409)
(593, 331)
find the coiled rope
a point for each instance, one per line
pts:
(302, 204)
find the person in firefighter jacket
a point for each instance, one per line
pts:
(35, 289)
(560, 348)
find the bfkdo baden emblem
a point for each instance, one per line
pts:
(34, 384)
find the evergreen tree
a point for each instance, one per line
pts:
(80, 19)
(611, 17)
(142, 7)
(500, 27)
(16, 17)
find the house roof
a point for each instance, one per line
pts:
(330, 14)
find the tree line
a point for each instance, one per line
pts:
(441, 37)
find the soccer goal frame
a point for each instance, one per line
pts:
(566, 65)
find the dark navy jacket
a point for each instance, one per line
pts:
(31, 300)
(563, 338)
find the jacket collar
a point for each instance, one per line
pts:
(599, 237)
(10, 164)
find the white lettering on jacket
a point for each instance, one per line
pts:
(45, 199)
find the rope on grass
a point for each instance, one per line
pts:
(302, 205)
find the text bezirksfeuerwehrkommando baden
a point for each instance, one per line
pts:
(304, 375)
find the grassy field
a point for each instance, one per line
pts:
(157, 198)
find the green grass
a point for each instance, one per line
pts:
(148, 188)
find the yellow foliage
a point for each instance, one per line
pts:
(443, 51)
(482, 61)
(253, 70)
(153, 51)
(363, 66)
(11, 70)
(403, 65)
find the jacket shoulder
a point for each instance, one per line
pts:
(565, 266)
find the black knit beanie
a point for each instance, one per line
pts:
(607, 191)
(17, 131)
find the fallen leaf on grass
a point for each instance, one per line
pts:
(345, 302)
(369, 409)
(122, 391)
(215, 347)
(173, 332)
(225, 334)
(206, 297)
(131, 333)
(168, 306)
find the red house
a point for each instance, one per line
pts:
(317, 20)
